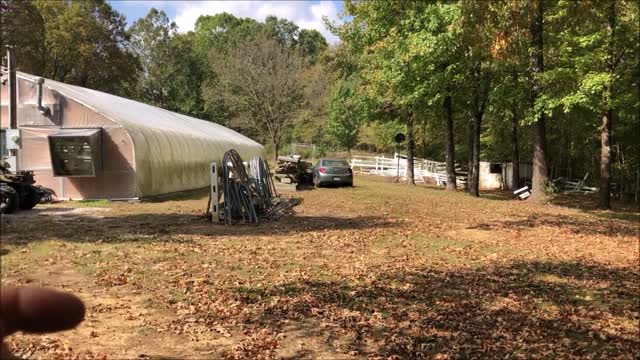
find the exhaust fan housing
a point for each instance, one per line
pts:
(76, 152)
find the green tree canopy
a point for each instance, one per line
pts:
(260, 85)
(347, 111)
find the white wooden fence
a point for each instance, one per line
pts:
(397, 166)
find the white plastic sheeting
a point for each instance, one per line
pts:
(172, 151)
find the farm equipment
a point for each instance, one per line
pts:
(19, 192)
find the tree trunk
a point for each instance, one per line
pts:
(479, 98)
(448, 125)
(539, 178)
(470, 154)
(622, 183)
(41, 71)
(566, 149)
(276, 147)
(607, 118)
(515, 155)
(410, 149)
(474, 188)
(605, 160)
(424, 139)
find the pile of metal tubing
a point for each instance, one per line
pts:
(248, 199)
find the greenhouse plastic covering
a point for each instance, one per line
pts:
(167, 152)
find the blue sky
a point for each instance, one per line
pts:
(306, 14)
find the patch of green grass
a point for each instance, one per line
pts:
(195, 194)
(320, 272)
(42, 249)
(385, 242)
(176, 296)
(435, 245)
(147, 330)
(91, 203)
(24, 259)
(442, 248)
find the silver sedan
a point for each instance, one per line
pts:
(332, 172)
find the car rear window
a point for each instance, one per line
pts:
(334, 163)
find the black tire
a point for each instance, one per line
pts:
(29, 200)
(4, 203)
(15, 203)
(10, 200)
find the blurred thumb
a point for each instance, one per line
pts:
(38, 310)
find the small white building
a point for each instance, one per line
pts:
(498, 175)
(526, 171)
(490, 176)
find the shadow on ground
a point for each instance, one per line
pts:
(501, 195)
(574, 224)
(526, 309)
(60, 224)
(589, 202)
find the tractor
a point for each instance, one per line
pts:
(18, 192)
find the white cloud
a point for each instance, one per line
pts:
(146, 3)
(305, 14)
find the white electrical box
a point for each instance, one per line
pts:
(12, 139)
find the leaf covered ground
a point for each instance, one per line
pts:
(376, 271)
